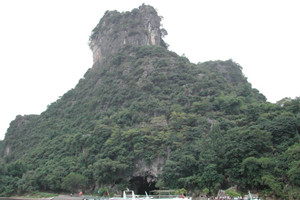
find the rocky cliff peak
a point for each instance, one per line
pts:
(139, 27)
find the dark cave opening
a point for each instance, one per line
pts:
(142, 184)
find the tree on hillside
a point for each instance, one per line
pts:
(74, 182)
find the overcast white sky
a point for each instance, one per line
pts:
(44, 51)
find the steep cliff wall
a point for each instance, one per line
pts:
(115, 30)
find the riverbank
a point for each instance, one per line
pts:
(59, 197)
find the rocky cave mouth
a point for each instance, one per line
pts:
(142, 184)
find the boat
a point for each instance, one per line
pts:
(251, 197)
(160, 195)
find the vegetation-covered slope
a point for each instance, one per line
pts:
(145, 112)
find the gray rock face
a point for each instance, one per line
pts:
(153, 170)
(115, 30)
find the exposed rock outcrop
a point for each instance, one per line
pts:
(115, 30)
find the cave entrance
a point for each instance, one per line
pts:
(142, 184)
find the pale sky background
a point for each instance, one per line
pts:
(44, 51)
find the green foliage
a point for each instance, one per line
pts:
(254, 169)
(74, 182)
(243, 143)
(229, 104)
(28, 183)
(16, 169)
(292, 158)
(205, 191)
(8, 185)
(205, 123)
(181, 191)
(284, 130)
(274, 185)
(210, 178)
(108, 171)
(104, 191)
(232, 193)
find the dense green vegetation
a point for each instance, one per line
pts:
(207, 122)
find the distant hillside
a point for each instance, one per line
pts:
(145, 118)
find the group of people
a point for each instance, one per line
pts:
(228, 198)
(80, 194)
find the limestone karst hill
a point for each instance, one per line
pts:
(145, 118)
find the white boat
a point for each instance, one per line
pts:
(129, 195)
